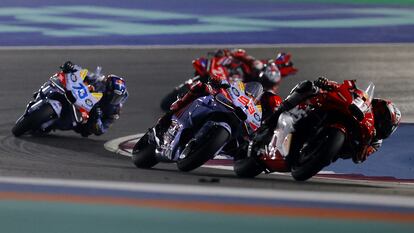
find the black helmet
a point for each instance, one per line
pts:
(270, 75)
(116, 89)
(387, 117)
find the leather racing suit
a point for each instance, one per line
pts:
(107, 110)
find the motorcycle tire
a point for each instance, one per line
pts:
(197, 155)
(143, 154)
(33, 120)
(247, 168)
(328, 144)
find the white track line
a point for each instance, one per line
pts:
(369, 199)
(113, 146)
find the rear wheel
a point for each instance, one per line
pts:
(143, 154)
(196, 155)
(317, 154)
(33, 120)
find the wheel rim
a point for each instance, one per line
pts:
(188, 148)
(309, 151)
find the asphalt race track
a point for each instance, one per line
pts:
(150, 73)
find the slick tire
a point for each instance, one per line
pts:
(197, 155)
(247, 168)
(143, 154)
(33, 120)
(328, 144)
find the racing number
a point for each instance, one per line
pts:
(251, 109)
(243, 100)
(246, 102)
(82, 93)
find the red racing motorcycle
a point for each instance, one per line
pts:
(202, 64)
(328, 126)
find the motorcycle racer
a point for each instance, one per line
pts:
(386, 115)
(268, 72)
(108, 109)
(249, 68)
(243, 66)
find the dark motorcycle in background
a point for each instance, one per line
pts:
(62, 103)
(330, 125)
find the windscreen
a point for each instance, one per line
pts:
(254, 89)
(368, 87)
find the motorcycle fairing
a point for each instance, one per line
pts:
(246, 103)
(53, 93)
(199, 109)
(275, 154)
(282, 136)
(85, 100)
(195, 118)
(356, 104)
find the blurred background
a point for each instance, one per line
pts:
(159, 22)
(65, 183)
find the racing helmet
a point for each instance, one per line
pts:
(283, 59)
(116, 89)
(387, 117)
(270, 75)
(285, 65)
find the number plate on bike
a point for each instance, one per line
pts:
(75, 84)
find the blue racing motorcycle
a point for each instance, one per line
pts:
(208, 126)
(62, 103)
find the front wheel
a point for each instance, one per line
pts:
(197, 154)
(143, 154)
(317, 154)
(33, 120)
(247, 168)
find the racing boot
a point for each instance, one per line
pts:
(82, 129)
(162, 125)
(164, 122)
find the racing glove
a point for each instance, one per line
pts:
(375, 145)
(324, 84)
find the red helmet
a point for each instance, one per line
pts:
(387, 117)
